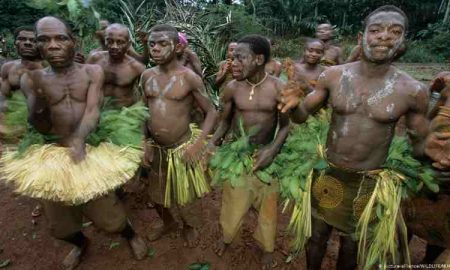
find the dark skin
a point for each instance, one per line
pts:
(68, 96)
(100, 34)
(121, 71)
(12, 71)
(309, 70)
(260, 112)
(225, 66)
(170, 91)
(437, 146)
(274, 67)
(324, 32)
(189, 59)
(367, 98)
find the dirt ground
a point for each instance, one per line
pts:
(25, 241)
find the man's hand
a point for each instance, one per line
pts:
(142, 36)
(263, 158)
(77, 150)
(290, 98)
(149, 152)
(192, 152)
(79, 58)
(437, 147)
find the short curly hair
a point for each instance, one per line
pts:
(258, 44)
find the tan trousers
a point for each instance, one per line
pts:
(107, 213)
(237, 201)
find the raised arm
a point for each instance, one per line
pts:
(222, 73)
(291, 100)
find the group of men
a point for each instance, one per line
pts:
(367, 98)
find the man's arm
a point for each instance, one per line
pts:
(354, 54)
(195, 62)
(417, 122)
(202, 98)
(5, 87)
(291, 100)
(340, 59)
(38, 110)
(221, 75)
(278, 69)
(226, 117)
(91, 113)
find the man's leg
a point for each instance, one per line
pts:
(235, 204)
(317, 245)
(108, 214)
(192, 217)
(265, 233)
(65, 224)
(169, 223)
(348, 254)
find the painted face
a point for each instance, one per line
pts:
(26, 45)
(245, 62)
(383, 36)
(230, 49)
(54, 42)
(162, 47)
(313, 52)
(117, 42)
(324, 31)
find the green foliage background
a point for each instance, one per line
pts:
(285, 21)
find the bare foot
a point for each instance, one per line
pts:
(191, 236)
(37, 211)
(158, 232)
(138, 247)
(73, 259)
(220, 247)
(267, 261)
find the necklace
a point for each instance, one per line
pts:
(252, 92)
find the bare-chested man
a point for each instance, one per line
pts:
(100, 34)
(68, 96)
(121, 70)
(367, 99)
(30, 59)
(309, 69)
(333, 54)
(252, 98)
(170, 91)
(224, 76)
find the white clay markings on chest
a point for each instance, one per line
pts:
(159, 103)
(383, 92)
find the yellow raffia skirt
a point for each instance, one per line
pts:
(48, 172)
(185, 181)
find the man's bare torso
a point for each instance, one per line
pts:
(65, 95)
(15, 69)
(261, 112)
(331, 55)
(170, 101)
(365, 111)
(119, 78)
